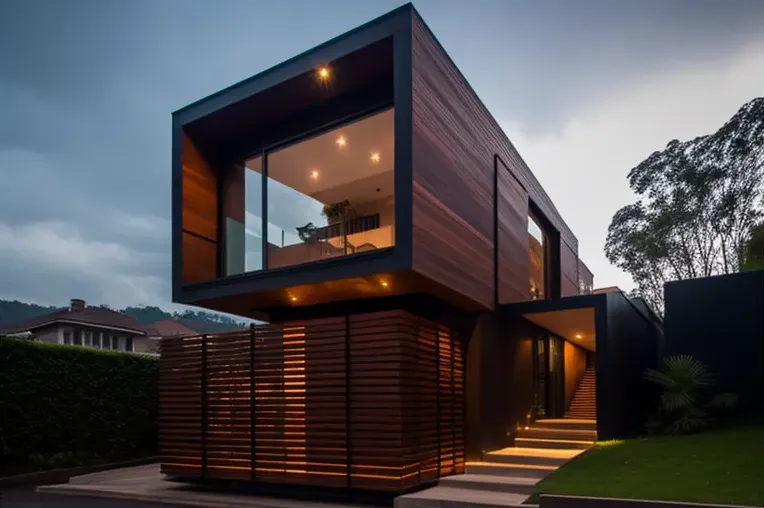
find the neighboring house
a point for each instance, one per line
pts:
(425, 298)
(162, 329)
(80, 325)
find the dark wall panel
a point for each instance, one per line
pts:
(627, 344)
(513, 261)
(568, 271)
(454, 142)
(499, 381)
(200, 216)
(720, 320)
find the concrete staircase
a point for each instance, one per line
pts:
(507, 477)
(584, 404)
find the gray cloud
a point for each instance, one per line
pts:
(87, 87)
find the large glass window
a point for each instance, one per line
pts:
(328, 196)
(537, 247)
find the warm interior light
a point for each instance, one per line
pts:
(323, 73)
(384, 284)
(293, 298)
(374, 157)
(579, 336)
(314, 174)
(341, 141)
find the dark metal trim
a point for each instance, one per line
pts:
(177, 209)
(252, 404)
(404, 154)
(353, 265)
(263, 211)
(204, 407)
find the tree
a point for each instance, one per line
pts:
(752, 251)
(698, 201)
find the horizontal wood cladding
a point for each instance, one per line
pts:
(454, 141)
(568, 271)
(449, 251)
(513, 258)
(452, 209)
(199, 258)
(200, 215)
(372, 401)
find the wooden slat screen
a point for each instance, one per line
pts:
(370, 401)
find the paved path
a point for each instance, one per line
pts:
(31, 499)
(144, 486)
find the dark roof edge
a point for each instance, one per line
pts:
(33, 326)
(378, 20)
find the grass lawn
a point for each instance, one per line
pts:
(721, 466)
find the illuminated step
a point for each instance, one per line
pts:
(553, 443)
(493, 483)
(534, 431)
(510, 469)
(440, 496)
(531, 456)
(567, 423)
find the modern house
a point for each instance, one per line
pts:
(82, 325)
(425, 300)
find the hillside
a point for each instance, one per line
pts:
(204, 322)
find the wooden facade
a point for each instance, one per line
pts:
(200, 216)
(463, 193)
(339, 390)
(371, 401)
(458, 151)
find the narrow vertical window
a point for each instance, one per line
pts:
(537, 249)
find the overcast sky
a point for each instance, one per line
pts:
(586, 90)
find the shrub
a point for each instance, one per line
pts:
(68, 404)
(687, 403)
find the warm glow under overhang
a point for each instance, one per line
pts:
(575, 325)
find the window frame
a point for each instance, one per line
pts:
(263, 153)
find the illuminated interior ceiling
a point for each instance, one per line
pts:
(575, 325)
(353, 162)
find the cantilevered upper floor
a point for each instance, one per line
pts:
(364, 168)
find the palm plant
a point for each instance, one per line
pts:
(686, 404)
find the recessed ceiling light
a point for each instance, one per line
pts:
(341, 141)
(293, 298)
(374, 157)
(314, 174)
(579, 336)
(323, 73)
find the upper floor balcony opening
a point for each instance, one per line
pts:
(327, 196)
(287, 180)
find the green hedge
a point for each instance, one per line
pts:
(68, 401)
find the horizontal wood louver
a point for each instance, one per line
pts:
(370, 401)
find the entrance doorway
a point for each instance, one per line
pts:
(548, 377)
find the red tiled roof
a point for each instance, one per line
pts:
(94, 316)
(171, 327)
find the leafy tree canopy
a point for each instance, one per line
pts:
(698, 204)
